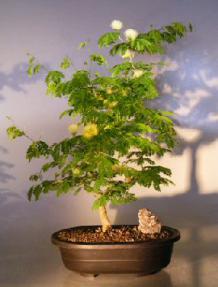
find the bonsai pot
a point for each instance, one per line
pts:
(112, 257)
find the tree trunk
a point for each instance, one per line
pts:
(105, 221)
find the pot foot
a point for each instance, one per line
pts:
(154, 272)
(88, 275)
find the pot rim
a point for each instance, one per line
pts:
(174, 236)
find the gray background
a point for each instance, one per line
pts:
(52, 29)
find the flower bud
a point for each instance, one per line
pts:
(76, 171)
(109, 91)
(128, 179)
(128, 54)
(113, 104)
(116, 25)
(137, 73)
(116, 168)
(73, 128)
(90, 131)
(131, 34)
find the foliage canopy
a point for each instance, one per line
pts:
(118, 136)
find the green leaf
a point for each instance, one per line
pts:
(152, 176)
(13, 132)
(166, 113)
(99, 59)
(83, 44)
(34, 191)
(119, 49)
(69, 113)
(34, 177)
(119, 198)
(108, 38)
(31, 58)
(100, 182)
(76, 190)
(33, 67)
(141, 44)
(51, 88)
(62, 187)
(37, 149)
(80, 80)
(66, 63)
(37, 69)
(105, 167)
(179, 28)
(101, 201)
(49, 165)
(54, 83)
(37, 190)
(54, 77)
(170, 33)
(124, 67)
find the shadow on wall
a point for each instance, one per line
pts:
(6, 195)
(4, 176)
(16, 79)
(191, 92)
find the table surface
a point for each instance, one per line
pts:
(28, 259)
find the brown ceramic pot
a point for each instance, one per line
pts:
(135, 257)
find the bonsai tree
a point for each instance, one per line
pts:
(115, 136)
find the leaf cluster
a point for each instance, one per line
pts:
(129, 135)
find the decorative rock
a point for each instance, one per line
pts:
(148, 222)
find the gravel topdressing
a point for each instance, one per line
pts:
(119, 234)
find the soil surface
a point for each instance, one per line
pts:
(115, 234)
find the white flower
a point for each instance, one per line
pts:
(137, 73)
(128, 54)
(131, 34)
(116, 25)
(73, 128)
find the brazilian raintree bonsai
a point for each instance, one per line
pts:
(115, 136)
